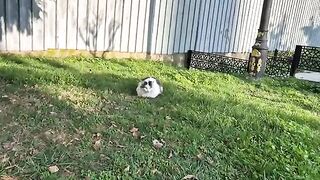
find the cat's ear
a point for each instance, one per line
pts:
(145, 78)
(158, 82)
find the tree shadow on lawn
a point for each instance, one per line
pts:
(230, 126)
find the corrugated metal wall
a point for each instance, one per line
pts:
(154, 26)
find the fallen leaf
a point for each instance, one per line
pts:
(53, 169)
(48, 133)
(155, 171)
(113, 125)
(199, 156)
(33, 151)
(157, 144)
(4, 158)
(8, 145)
(127, 169)
(138, 171)
(60, 138)
(189, 177)
(209, 160)
(97, 138)
(53, 113)
(104, 157)
(8, 178)
(135, 132)
(97, 145)
(170, 155)
(80, 132)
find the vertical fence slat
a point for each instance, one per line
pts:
(125, 28)
(3, 46)
(25, 24)
(248, 25)
(72, 20)
(235, 25)
(185, 27)
(240, 25)
(217, 26)
(161, 26)
(118, 17)
(156, 22)
(196, 25)
(101, 11)
(12, 25)
(172, 32)
(145, 26)
(61, 23)
(133, 25)
(214, 26)
(171, 24)
(140, 26)
(167, 24)
(50, 23)
(300, 21)
(204, 27)
(178, 29)
(82, 24)
(201, 24)
(207, 38)
(222, 25)
(227, 30)
(38, 25)
(92, 23)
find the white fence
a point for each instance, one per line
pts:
(154, 26)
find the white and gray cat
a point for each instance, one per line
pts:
(149, 87)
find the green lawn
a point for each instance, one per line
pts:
(215, 126)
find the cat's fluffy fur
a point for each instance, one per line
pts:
(149, 87)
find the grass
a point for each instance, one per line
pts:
(215, 126)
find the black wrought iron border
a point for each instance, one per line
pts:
(278, 65)
(217, 63)
(306, 58)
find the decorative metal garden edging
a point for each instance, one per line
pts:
(278, 65)
(216, 62)
(306, 58)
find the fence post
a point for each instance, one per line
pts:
(275, 54)
(296, 60)
(188, 58)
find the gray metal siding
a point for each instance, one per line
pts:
(154, 26)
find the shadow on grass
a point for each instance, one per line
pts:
(219, 131)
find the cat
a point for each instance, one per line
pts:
(149, 87)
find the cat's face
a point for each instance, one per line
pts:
(147, 85)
